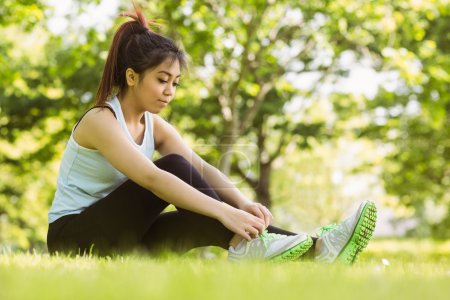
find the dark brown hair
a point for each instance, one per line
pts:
(137, 47)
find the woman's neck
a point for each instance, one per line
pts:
(131, 113)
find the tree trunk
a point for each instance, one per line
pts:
(262, 188)
(226, 152)
(226, 147)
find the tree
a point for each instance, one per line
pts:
(248, 58)
(248, 53)
(411, 112)
(44, 89)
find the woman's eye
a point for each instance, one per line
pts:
(175, 84)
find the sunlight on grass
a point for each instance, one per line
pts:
(388, 269)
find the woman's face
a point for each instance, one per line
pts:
(157, 88)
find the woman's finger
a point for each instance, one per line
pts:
(259, 225)
(245, 235)
(254, 218)
(267, 211)
(257, 212)
(262, 222)
(268, 215)
(252, 231)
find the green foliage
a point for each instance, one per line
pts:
(414, 117)
(44, 88)
(238, 92)
(24, 13)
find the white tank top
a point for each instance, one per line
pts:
(85, 176)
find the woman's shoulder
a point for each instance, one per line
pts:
(164, 132)
(160, 125)
(101, 111)
(97, 119)
(97, 116)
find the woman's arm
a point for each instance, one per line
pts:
(101, 131)
(168, 141)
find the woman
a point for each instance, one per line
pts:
(110, 194)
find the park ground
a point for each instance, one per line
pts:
(388, 269)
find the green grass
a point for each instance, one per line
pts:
(387, 270)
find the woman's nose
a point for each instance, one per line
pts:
(168, 91)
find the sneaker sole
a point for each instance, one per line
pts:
(295, 252)
(361, 236)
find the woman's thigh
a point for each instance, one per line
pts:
(121, 219)
(115, 222)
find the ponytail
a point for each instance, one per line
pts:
(137, 47)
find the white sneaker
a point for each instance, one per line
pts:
(271, 246)
(343, 242)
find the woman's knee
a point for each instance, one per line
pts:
(173, 162)
(180, 167)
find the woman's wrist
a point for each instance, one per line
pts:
(222, 209)
(242, 203)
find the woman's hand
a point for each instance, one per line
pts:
(258, 210)
(243, 223)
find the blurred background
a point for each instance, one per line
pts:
(310, 106)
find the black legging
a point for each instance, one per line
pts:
(131, 218)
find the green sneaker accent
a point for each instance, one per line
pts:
(344, 241)
(324, 229)
(361, 235)
(295, 252)
(271, 246)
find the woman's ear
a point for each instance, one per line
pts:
(132, 77)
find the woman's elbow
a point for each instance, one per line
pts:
(150, 178)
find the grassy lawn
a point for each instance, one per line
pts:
(389, 269)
